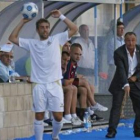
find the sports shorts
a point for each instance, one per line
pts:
(48, 96)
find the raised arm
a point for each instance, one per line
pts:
(72, 27)
(14, 35)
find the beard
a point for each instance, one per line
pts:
(43, 36)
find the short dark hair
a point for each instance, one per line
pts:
(41, 21)
(130, 33)
(74, 45)
(120, 23)
(65, 53)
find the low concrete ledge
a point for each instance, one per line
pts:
(16, 117)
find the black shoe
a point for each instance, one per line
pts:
(111, 134)
(95, 117)
(137, 135)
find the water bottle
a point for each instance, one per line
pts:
(87, 122)
(11, 76)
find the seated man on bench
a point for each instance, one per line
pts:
(6, 56)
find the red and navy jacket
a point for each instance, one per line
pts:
(71, 70)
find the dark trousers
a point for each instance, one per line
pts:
(115, 110)
(116, 107)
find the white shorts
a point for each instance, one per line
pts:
(48, 97)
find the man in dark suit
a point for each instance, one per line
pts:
(126, 81)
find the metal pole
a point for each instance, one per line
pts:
(96, 50)
(42, 9)
(115, 27)
(121, 13)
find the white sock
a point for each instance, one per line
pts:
(74, 115)
(56, 128)
(68, 117)
(38, 129)
(91, 112)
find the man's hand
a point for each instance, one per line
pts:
(133, 79)
(127, 90)
(55, 13)
(25, 20)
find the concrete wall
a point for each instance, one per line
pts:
(16, 117)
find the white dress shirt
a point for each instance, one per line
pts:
(132, 62)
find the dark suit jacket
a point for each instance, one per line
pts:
(122, 66)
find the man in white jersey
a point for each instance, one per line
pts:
(46, 70)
